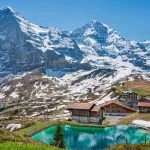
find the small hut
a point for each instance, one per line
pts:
(85, 112)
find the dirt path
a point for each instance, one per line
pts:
(113, 120)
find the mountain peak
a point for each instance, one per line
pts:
(8, 9)
(93, 21)
(8, 12)
(93, 27)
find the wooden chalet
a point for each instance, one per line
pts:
(144, 107)
(114, 107)
(85, 112)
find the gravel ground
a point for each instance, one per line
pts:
(113, 119)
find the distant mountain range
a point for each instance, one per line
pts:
(25, 46)
(43, 69)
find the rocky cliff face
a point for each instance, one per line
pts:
(25, 46)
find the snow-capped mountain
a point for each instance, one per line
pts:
(25, 46)
(103, 45)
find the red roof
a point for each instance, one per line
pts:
(144, 99)
(96, 108)
(144, 104)
(117, 103)
(84, 106)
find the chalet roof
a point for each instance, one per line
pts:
(144, 104)
(144, 98)
(96, 108)
(117, 103)
(84, 106)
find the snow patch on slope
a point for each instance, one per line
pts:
(142, 123)
(14, 95)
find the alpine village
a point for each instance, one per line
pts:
(85, 89)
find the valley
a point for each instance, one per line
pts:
(43, 69)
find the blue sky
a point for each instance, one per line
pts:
(129, 17)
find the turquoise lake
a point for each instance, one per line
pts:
(92, 138)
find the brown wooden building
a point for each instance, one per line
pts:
(144, 106)
(114, 107)
(85, 112)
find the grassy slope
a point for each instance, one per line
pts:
(15, 141)
(6, 136)
(140, 86)
(135, 116)
(21, 146)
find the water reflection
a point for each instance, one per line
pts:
(87, 138)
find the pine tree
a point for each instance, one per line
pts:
(58, 138)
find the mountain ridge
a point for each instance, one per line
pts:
(46, 68)
(94, 44)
